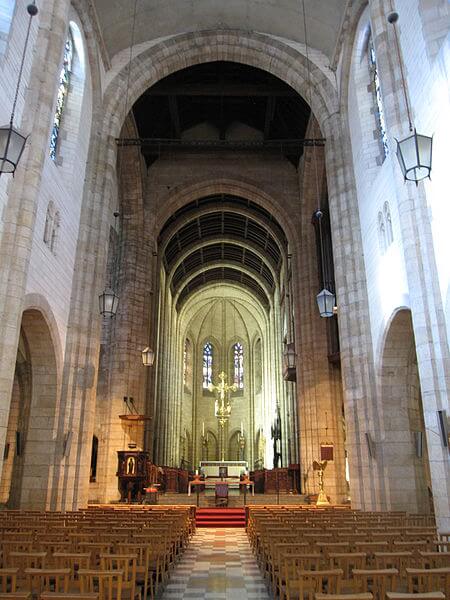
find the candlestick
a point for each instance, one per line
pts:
(203, 428)
(242, 429)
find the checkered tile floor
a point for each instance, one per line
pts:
(219, 565)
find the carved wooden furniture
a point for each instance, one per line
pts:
(132, 472)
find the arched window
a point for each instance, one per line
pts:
(381, 233)
(63, 90)
(238, 365)
(6, 14)
(388, 224)
(94, 456)
(52, 222)
(187, 362)
(378, 100)
(207, 365)
(257, 362)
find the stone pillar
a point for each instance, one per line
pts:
(319, 384)
(432, 345)
(19, 214)
(357, 362)
(130, 327)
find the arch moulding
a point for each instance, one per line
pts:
(181, 195)
(149, 66)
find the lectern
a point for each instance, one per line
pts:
(132, 474)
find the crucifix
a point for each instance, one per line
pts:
(222, 406)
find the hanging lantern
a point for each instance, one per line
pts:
(414, 155)
(289, 363)
(108, 303)
(414, 152)
(12, 144)
(148, 357)
(326, 302)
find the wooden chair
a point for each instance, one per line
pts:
(291, 563)
(333, 547)
(360, 596)
(427, 580)
(418, 596)
(47, 580)
(95, 549)
(434, 560)
(347, 561)
(144, 577)
(305, 584)
(27, 560)
(8, 546)
(73, 561)
(306, 561)
(377, 581)
(413, 546)
(68, 596)
(8, 579)
(126, 564)
(107, 584)
(370, 548)
(394, 560)
(55, 545)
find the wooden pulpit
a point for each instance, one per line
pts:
(132, 472)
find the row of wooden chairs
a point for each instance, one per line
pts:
(304, 553)
(102, 553)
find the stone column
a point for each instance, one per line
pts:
(319, 385)
(130, 327)
(19, 213)
(357, 361)
(432, 345)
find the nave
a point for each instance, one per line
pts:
(218, 564)
(285, 552)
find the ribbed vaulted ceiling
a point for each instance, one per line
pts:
(223, 238)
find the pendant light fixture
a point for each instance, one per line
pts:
(414, 152)
(326, 300)
(12, 142)
(108, 299)
(148, 357)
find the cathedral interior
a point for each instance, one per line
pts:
(224, 245)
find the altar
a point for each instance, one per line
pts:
(224, 469)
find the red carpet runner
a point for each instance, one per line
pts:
(220, 517)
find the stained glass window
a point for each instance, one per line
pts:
(377, 95)
(238, 362)
(63, 90)
(207, 365)
(6, 13)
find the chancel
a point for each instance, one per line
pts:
(224, 297)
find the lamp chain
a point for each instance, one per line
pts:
(392, 18)
(32, 11)
(308, 66)
(319, 216)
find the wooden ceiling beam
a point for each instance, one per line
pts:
(213, 89)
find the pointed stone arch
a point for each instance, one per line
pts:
(33, 422)
(407, 477)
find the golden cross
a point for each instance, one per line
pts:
(222, 388)
(222, 407)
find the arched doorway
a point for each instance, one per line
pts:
(31, 436)
(176, 208)
(404, 445)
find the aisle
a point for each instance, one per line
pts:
(218, 565)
